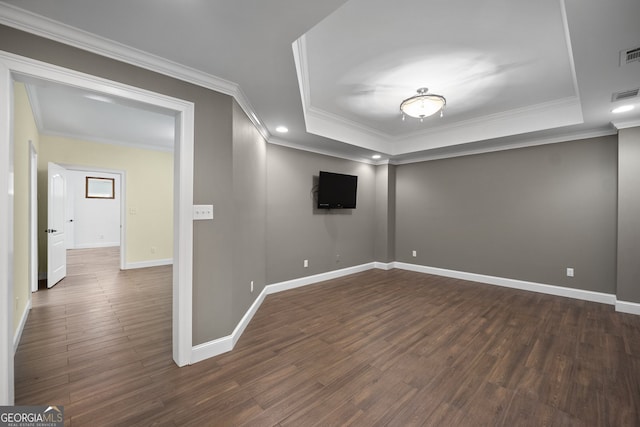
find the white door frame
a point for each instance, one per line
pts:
(33, 217)
(123, 203)
(183, 201)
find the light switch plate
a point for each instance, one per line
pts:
(201, 212)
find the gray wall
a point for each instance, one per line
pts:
(629, 215)
(385, 237)
(250, 213)
(213, 314)
(524, 214)
(297, 231)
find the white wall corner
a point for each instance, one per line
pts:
(628, 307)
(23, 321)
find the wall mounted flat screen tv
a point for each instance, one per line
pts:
(337, 191)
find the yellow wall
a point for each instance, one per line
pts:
(24, 130)
(149, 192)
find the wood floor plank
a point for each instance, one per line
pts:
(375, 348)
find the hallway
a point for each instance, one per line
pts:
(98, 326)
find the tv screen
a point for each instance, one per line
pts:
(337, 191)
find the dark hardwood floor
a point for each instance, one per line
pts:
(375, 348)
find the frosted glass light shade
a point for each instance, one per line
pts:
(422, 105)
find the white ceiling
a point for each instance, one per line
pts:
(514, 73)
(68, 111)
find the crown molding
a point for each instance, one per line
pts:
(530, 142)
(23, 20)
(288, 144)
(625, 124)
(88, 138)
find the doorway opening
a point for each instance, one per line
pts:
(12, 66)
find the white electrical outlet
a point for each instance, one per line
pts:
(201, 212)
(414, 253)
(569, 272)
(306, 263)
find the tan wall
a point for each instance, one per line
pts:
(24, 130)
(148, 192)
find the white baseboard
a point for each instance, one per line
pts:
(383, 265)
(146, 264)
(225, 344)
(96, 245)
(512, 283)
(222, 345)
(628, 307)
(23, 321)
(309, 280)
(210, 349)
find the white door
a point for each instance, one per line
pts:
(56, 245)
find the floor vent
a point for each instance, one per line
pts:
(625, 94)
(629, 56)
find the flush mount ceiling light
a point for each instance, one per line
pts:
(422, 105)
(282, 129)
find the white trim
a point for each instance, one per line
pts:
(625, 124)
(315, 150)
(183, 194)
(183, 236)
(146, 264)
(97, 245)
(309, 280)
(512, 283)
(628, 307)
(30, 22)
(226, 344)
(123, 205)
(530, 142)
(213, 348)
(33, 217)
(383, 265)
(6, 236)
(222, 345)
(97, 140)
(23, 321)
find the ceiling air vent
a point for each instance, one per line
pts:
(629, 56)
(625, 94)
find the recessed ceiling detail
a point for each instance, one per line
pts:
(511, 77)
(514, 74)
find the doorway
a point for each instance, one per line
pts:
(13, 65)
